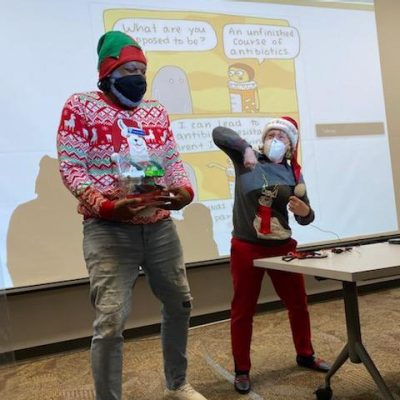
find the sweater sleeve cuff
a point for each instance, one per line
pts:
(307, 219)
(106, 209)
(190, 191)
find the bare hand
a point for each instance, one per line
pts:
(298, 207)
(176, 199)
(125, 209)
(249, 158)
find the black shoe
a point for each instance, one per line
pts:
(242, 383)
(314, 363)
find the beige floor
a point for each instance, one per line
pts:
(275, 376)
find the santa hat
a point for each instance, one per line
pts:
(290, 127)
(285, 124)
(116, 48)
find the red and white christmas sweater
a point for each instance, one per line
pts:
(88, 135)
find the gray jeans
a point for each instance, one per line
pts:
(113, 252)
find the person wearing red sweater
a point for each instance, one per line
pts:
(118, 157)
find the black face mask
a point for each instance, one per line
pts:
(133, 87)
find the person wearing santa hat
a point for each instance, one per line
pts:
(105, 139)
(268, 183)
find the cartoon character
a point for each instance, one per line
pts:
(243, 90)
(171, 88)
(229, 172)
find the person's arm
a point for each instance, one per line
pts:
(72, 147)
(232, 144)
(176, 178)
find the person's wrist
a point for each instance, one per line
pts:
(186, 198)
(306, 213)
(189, 192)
(107, 209)
(248, 150)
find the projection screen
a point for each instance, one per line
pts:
(317, 61)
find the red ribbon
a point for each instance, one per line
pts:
(264, 212)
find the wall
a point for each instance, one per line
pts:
(50, 316)
(387, 16)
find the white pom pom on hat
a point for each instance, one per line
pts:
(285, 124)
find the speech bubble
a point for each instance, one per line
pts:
(169, 35)
(261, 41)
(194, 135)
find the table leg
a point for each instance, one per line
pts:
(350, 297)
(340, 360)
(354, 349)
(371, 368)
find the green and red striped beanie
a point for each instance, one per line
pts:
(116, 48)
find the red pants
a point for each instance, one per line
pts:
(247, 281)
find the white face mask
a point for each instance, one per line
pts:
(275, 150)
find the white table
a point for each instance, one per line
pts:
(362, 263)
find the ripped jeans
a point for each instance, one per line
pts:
(113, 253)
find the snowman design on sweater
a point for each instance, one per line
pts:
(265, 223)
(136, 170)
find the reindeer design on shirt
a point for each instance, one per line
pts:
(69, 124)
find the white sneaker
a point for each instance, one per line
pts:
(184, 392)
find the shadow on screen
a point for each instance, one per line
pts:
(196, 233)
(44, 241)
